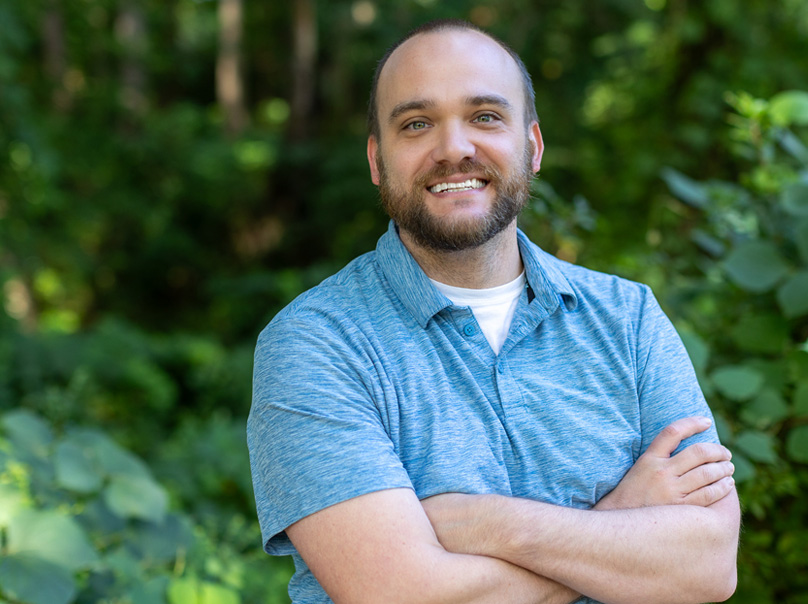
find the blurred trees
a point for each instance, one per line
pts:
(173, 173)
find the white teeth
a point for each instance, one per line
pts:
(472, 183)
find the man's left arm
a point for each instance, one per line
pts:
(680, 549)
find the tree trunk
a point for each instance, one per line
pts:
(55, 54)
(229, 82)
(303, 65)
(130, 31)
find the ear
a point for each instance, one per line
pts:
(538, 145)
(373, 147)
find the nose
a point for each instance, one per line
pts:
(453, 144)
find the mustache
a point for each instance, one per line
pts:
(467, 166)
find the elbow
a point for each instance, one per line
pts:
(723, 583)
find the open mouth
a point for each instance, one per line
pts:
(467, 185)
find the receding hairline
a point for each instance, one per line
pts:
(437, 27)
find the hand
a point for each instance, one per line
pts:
(699, 475)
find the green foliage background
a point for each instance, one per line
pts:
(142, 248)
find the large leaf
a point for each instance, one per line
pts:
(32, 580)
(113, 459)
(793, 295)
(764, 332)
(789, 108)
(737, 382)
(685, 188)
(77, 468)
(136, 497)
(28, 431)
(765, 409)
(757, 445)
(797, 444)
(794, 199)
(756, 266)
(51, 536)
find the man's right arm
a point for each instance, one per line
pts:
(380, 547)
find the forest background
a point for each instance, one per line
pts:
(174, 172)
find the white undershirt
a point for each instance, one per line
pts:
(492, 307)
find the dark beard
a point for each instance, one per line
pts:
(409, 211)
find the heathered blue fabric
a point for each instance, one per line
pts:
(373, 380)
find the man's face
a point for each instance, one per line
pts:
(455, 158)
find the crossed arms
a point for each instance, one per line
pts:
(667, 533)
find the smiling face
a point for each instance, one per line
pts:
(455, 156)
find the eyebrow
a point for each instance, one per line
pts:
(472, 101)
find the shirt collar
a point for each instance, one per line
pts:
(411, 285)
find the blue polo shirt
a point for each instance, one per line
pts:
(374, 380)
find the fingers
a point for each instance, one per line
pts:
(698, 454)
(666, 441)
(711, 493)
(705, 475)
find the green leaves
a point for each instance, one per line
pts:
(792, 296)
(136, 497)
(737, 382)
(797, 444)
(789, 108)
(51, 536)
(756, 266)
(758, 446)
(794, 198)
(685, 188)
(33, 580)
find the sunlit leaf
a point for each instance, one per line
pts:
(32, 580)
(758, 446)
(214, 593)
(11, 503)
(737, 382)
(136, 497)
(756, 266)
(184, 590)
(793, 295)
(789, 107)
(797, 444)
(685, 188)
(51, 536)
(794, 199)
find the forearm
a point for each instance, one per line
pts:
(482, 579)
(658, 554)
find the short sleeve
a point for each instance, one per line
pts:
(314, 433)
(667, 386)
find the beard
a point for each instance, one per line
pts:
(409, 210)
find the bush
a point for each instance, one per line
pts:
(744, 320)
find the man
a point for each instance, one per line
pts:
(460, 417)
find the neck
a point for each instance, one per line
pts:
(494, 263)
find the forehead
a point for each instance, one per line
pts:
(446, 66)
